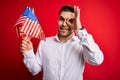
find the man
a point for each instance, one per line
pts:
(62, 57)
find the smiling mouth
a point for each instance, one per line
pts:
(62, 28)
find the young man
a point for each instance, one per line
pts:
(62, 57)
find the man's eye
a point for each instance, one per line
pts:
(71, 20)
(61, 19)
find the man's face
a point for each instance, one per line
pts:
(66, 24)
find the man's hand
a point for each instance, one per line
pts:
(77, 18)
(26, 44)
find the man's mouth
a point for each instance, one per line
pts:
(63, 28)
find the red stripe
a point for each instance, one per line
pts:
(33, 29)
(37, 32)
(20, 21)
(36, 27)
(29, 27)
(24, 25)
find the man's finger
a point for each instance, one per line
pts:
(28, 40)
(74, 8)
(25, 37)
(78, 11)
(24, 42)
(22, 50)
(23, 45)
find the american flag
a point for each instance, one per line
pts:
(29, 25)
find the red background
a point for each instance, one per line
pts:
(100, 17)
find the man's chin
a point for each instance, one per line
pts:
(64, 35)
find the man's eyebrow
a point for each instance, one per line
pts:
(71, 18)
(67, 18)
(61, 17)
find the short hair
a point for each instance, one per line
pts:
(67, 8)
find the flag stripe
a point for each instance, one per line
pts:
(33, 28)
(20, 20)
(37, 33)
(27, 24)
(24, 25)
(28, 31)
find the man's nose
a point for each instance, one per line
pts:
(65, 23)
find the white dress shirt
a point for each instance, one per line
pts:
(64, 61)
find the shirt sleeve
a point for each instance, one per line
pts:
(33, 62)
(91, 51)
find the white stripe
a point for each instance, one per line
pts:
(19, 23)
(20, 20)
(33, 28)
(24, 25)
(28, 31)
(38, 31)
(27, 26)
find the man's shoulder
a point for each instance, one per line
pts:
(51, 38)
(48, 40)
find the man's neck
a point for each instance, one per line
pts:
(65, 39)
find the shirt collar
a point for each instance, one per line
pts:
(72, 39)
